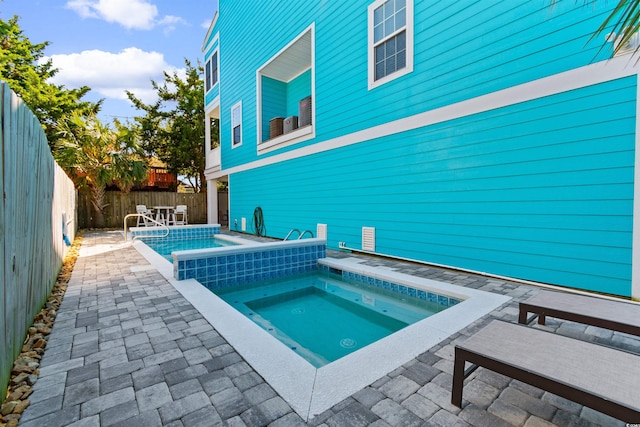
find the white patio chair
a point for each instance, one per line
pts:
(179, 215)
(144, 220)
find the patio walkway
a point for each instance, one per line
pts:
(127, 349)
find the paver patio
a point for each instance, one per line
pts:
(127, 349)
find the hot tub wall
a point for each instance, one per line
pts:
(218, 268)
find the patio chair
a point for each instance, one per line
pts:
(144, 220)
(179, 215)
(618, 316)
(602, 378)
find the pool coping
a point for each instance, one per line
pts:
(309, 390)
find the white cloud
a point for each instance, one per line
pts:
(206, 24)
(110, 74)
(132, 14)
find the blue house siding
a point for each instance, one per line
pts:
(541, 190)
(462, 50)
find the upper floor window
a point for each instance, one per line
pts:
(211, 71)
(390, 40)
(236, 125)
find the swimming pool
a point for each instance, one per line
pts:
(322, 317)
(165, 247)
(308, 389)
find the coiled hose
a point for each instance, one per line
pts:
(258, 222)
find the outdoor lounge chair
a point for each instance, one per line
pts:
(614, 315)
(599, 377)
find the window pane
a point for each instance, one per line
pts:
(401, 59)
(207, 79)
(389, 26)
(379, 70)
(388, 9)
(401, 4)
(401, 19)
(401, 41)
(236, 134)
(235, 116)
(390, 65)
(379, 56)
(378, 32)
(390, 47)
(378, 15)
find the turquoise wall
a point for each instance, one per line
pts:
(297, 89)
(463, 49)
(541, 190)
(274, 102)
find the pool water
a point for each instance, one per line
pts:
(165, 247)
(323, 318)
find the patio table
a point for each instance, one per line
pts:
(162, 213)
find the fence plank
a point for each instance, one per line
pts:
(120, 204)
(30, 221)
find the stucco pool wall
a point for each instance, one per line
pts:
(309, 390)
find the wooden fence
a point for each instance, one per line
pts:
(120, 204)
(38, 207)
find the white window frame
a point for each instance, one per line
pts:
(209, 66)
(408, 28)
(237, 105)
(208, 63)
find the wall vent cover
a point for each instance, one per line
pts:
(321, 231)
(369, 239)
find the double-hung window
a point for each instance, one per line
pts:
(236, 125)
(211, 72)
(390, 40)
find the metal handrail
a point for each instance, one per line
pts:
(291, 232)
(305, 232)
(146, 218)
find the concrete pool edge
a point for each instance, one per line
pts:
(310, 391)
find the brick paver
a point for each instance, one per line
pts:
(127, 349)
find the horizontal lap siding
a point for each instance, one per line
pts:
(541, 190)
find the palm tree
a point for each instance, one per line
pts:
(94, 156)
(625, 18)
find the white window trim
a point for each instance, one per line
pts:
(301, 134)
(209, 61)
(370, 42)
(236, 105)
(214, 42)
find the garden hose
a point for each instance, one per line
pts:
(258, 222)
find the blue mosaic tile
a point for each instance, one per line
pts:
(442, 300)
(191, 264)
(431, 297)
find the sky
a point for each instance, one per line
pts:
(115, 45)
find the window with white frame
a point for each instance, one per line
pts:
(236, 125)
(390, 40)
(211, 72)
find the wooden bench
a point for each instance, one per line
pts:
(618, 316)
(602, 378)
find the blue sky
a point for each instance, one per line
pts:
(115, 45)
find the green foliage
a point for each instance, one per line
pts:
(173, 127)
(22, 69)
(625, 19)
(95, 155)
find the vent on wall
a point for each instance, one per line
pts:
(369, 239)
(321, 231)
